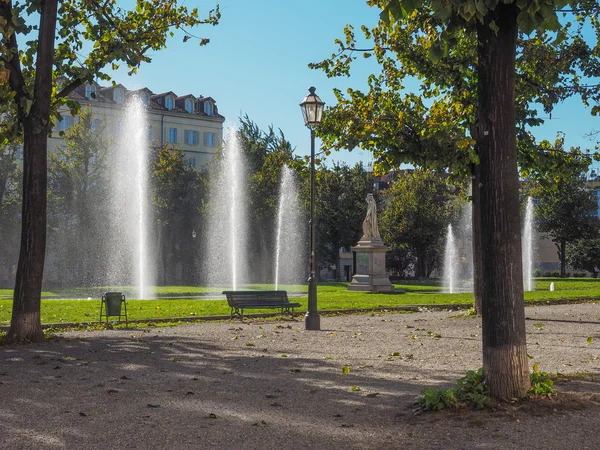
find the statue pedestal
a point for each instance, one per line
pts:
(370, 267)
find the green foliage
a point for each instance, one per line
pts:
(90, 37)
(584, 254)
(565, 210)
(77, 196)
(436, 42)
(340, 208)
(415, 213)
(541, 383)
(470, 391)
(179, 194)
(435, 399)
(10, 204)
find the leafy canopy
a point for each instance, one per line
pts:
(435, 43)
(91, 36)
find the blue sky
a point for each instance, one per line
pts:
(257, 64)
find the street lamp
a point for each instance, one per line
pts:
(312, 110)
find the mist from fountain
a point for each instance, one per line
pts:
(458, 256)
(226, 239)
(528, 251)
(130, 260)
(288, 247)
(450, 257)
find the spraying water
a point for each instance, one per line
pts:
(227, 221)
(288, 258)
(129, 212)
(528, 245)
(450, 256)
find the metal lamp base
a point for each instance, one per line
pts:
(312, 321)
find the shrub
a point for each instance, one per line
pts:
(537, 272)
(541, 383)
(470, 390)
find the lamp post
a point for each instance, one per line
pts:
(312, 110)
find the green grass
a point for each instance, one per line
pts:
(176, 301)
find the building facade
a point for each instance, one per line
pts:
(191, 123)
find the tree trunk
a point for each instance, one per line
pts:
(25, 323)
(562, 254)
(476, 233)
(505, 363)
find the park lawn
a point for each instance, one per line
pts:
(331, 296)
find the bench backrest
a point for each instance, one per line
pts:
(235, 298)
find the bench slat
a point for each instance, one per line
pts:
(240, 300)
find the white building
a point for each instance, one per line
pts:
(191, 123)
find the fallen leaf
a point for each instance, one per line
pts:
(153, 405)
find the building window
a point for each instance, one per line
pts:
(96, 124)
(90, 92)
(145, 98)
(149, 132)
(191, 137)
(208, 108)
(169, 103)
(66, 123)
(118, 95)
(189, 105)
(191, 162)
(209, 139)
(173, 135)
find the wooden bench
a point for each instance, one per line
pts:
(240, 300)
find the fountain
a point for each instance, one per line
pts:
(227, 220)
(128, 216)
(290, 268)
(458, 256)
(450, 262)
(528, 245)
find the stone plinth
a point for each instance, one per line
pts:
(370, 267)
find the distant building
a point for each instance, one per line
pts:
(191, 123)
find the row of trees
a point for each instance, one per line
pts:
(414, 211)
(486, 68)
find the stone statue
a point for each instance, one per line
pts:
(370, 227)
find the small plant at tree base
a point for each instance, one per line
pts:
(541, 383)
(470, 390)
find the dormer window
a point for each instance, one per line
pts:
(90, 92)
(189, 105)
(208, 108)
(169, 102)
(118, 95)
(145, 97)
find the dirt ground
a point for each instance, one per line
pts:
(273, 385)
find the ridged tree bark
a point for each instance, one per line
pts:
(25, 323)
(476, 233)
(505, 363)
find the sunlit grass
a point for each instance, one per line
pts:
(176, 301)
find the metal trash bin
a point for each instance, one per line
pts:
(114, 304)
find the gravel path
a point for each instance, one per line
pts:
(272, 385)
